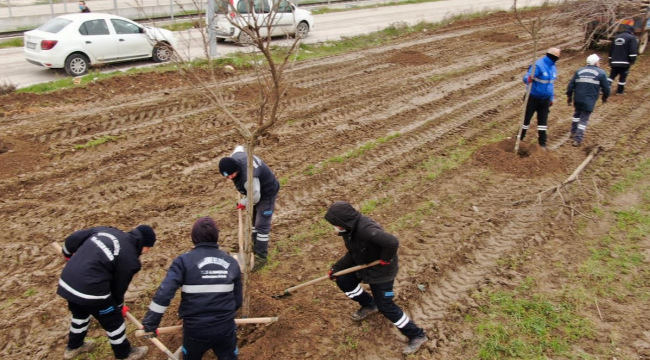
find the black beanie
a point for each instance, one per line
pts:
(205, 230)
(148, 235)
(228, 166)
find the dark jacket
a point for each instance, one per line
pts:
(102, 263)
(586, 85)
(211, 290)
(269, 185)
(543, 80)
(624, 50)
(366, 242)
(86, 9)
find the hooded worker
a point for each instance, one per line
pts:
(264, 193)
(211, 292)
(366, 242)
(542, 93)
(583, 90)
(622, 55)
(101, 262)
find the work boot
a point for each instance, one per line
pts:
(137, 353)
(415, 344)
(86, 347)
(260, 263)
(576, 144)
(572, 135)
(364, 312)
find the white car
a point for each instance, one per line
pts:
(77, 41)
(287, 20)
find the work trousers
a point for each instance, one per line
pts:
(541, 107)
(262, 215)
(222, 340)
(382, 297)
(622, 73)
(111, 320)
(579, 124)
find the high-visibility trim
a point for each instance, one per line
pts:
(65, 250)
(80, 294)
(544, 81)
(80, 321)
(525, 127)
(576, 119)
(582, 127)
(263, 237)
(118, 341)
(356, 292)
(103, 247)
(621, 83)
(198, 289)
(402, 321)
(78, 331)
(543, 128)
(632, 55)
(116, 243)
(610, 80)
(621, 62)
(118, 331)
(589, 81)
(157, 308)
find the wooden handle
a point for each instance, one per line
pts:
(241, 233)
(155, 341)
(57, 247)
(339, 273)
(171, 329)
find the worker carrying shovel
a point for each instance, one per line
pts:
(262, 197)
(211, 292)
(101, 262)
(366, 242)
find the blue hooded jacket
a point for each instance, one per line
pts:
(545, 76)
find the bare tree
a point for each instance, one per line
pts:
(533, 27)
(255, 20)
(601, 18)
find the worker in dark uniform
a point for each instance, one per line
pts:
(264, 194)
(622, 55)
(101, 262)
(542, 93)
(585, 88)
(366, 242)
(211, 292)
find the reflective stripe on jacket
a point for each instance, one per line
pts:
(545, 76)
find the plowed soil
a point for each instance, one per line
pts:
(458, 202)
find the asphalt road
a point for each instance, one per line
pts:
(14, 68)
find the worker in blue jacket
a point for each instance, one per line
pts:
(542, 93)
(211, 292)
(584, 90)
(101, 262)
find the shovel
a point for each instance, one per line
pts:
(135, 321)
(289, 291)
(171, 329)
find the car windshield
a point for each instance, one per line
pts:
(55, 25)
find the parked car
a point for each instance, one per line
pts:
(284, 17)
(77, 41)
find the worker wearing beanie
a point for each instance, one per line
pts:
(265, 192)
(211, 292)
(583, 90)
(101, 262)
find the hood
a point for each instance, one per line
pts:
(343, 214)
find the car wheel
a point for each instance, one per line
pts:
(244, 39)
(302, 30)
(77, 65)
(162, 52)
(221, 40)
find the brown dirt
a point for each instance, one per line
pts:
(500, 37)
(410, 57)
(532, 161)
(4, 146)
(455, 220)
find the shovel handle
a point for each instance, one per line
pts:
(155, 341)
(171, 329)
(57, 247)
(339, 273)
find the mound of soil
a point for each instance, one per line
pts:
(251, 93)
(499, 37)
(532, 161)
(410, 57)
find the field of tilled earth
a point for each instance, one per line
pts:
(429, 115)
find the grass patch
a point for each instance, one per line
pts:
(18, 42)
(632, 177)
(96, 142)
(524, 325)
(371, 205)
(181, 25)
(30, 292)
(327, 10)
(415, 218)
(362, 149)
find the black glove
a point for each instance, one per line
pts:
(151, 322)
(151, 329)
(569, 101)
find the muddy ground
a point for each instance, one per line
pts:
(444, 186)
